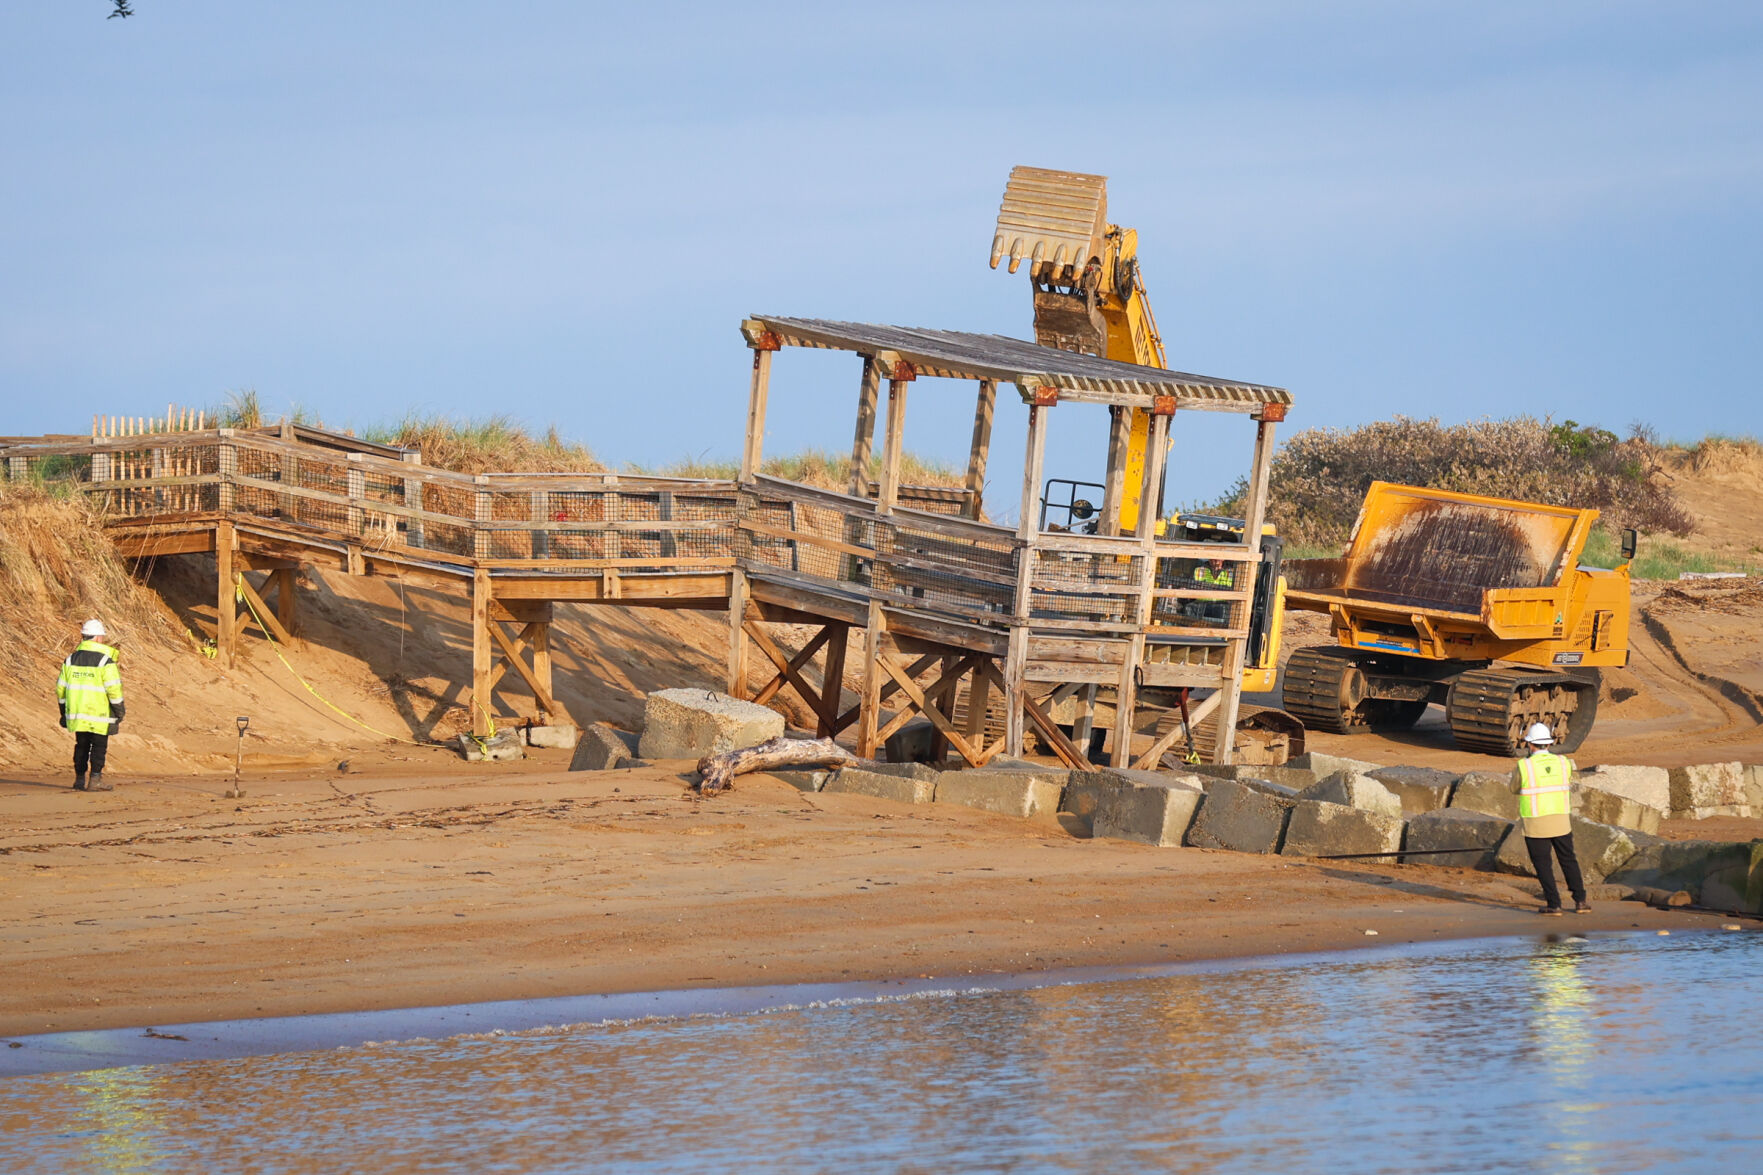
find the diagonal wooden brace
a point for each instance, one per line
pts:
(532, 682)
(927, 705)
(1200, 712)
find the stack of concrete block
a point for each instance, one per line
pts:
(1709, 789)
(1454, 836)
(1031, 794)
(1318, 828)
(1238, 817)
(812, 780)
(1119, 803)
(1421, 789)
(557, 738)
(1722, 875)
(692, 723)
(1650, 786)
(602, 748)
(1486, 791)
(900, 786)
(1355, 789)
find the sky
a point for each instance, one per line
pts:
(561, 211)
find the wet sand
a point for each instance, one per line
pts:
(164, 903)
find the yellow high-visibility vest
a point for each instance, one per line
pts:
(88, 686)
(1546, 779)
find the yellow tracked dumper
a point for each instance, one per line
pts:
(1477, 604)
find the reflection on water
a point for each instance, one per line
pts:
(1617, 1054)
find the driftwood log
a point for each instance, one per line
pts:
(717, 772)
(1662, 899)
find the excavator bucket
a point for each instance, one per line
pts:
(1056, 216)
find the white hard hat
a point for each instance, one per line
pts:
(92, 628)
(1538, 735)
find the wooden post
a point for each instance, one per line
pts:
(226, 636)
(229, 469)
(413, 500)
(832, 681)
(753, 452)
(357, 483)
(539, 510)
(982, 444)
(1145, 530)
(863, 440)
(483, 511)
(1016, 654)
(1254, 514)
(869, 706)
(979, 697)
(737, 637)
(541, 643)
(900, 375)
(481, 703)
(284, 599)
(1114, 481)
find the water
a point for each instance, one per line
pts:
(1613, 1054)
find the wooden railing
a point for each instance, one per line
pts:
(933, 563)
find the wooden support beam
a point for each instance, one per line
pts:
(285, 602)
(832, 682)
(888, 689)
(753, 452)
(788, 668)
(926, 703)
(512, 653)
(480, 653)
(981, 447)
(737, 637)
(1254, 514)
(271, 626)
(540, 643)
(863, 438)
(939, 692)
(869, 705)
(893, 446)
(1049, 730)
(226, 543)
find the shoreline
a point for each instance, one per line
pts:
(84, 1051)
(163, 903)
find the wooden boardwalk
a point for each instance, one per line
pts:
(966, 622)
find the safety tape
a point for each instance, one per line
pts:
(239, 593)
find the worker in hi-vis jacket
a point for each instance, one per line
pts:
(89, 691)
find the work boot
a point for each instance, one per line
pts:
(1580, 907)
(97, 783)
(79, 783)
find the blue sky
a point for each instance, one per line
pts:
(562, 211)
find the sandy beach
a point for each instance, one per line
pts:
(163, 902)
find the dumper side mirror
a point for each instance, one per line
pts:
(1630, 541)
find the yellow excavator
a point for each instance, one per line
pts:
(1089, 297)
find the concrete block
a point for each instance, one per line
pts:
(1326, 765)
(1355, 789)
(602, 748)
(1606, 807)
(1754, 788)
(1287, 775)
(557, 738)
(901, 789)
(921, 771)
(1421, 789)
(1030, 795)
(913, 743)
(1724, 875)
(1646, 785)
(1486, 791)
(1475, 835)
(1702, 790)
(692, 723)
(1268, 787)
(504, 744)
(1158, 812)
(803, 780)
(1238, 817)
(1084, 791)
(1320, 829)
(1602, 849)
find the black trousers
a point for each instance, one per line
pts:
(1538, 847)
(89, 746)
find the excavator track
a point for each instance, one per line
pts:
(1491, 709)
(1326, 690)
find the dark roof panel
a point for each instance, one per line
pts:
(962, 355)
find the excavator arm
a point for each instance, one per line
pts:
(1088, 294)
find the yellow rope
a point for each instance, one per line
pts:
(239, 594)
